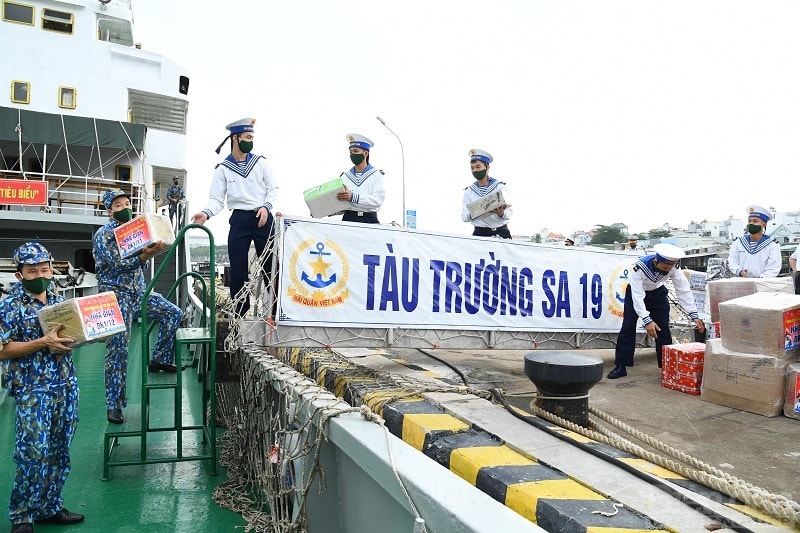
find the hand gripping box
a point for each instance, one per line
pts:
(766, 323)
(791, 405)
(722, 290)
(86, 319)
(321, 200)
(745, 381)
(145, 229)
(682, 366)
(485, 205)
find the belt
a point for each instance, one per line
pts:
(368, 215)
(480, 231)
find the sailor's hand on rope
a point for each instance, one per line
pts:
(652, 329)
(199, 218)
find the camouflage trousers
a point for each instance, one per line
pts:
(159, 310)
(45, 424)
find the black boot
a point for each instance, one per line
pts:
(618, 372)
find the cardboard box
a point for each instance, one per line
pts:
(697, 280)
(766, 323)
(791, 405)
(749, 382)
(145, 229)
(483, 207)
(86, 319)
(682, 366)
(321, 200)
(722, 290)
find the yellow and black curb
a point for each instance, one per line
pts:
(538, 492)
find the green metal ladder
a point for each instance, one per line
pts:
(203, 336)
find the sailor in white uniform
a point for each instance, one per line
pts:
(755, 254)
(246, 182)
(363, 183)
(494, 224)
(646, 298)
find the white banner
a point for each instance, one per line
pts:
(369, 275)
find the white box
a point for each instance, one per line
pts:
(86, 318)
(722, 290)
(485, 205)
(321, 200)
(765, 323)
(143, 230)
(749, 382)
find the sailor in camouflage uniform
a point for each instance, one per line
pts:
(363, 183)
(126, 278)
(646, 297)
(41, 378)
(246, 182)
(494, 224)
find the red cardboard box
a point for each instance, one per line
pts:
(682, 367)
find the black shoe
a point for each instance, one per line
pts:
(27, 527)
(618, 372)
(115, 416)
(63, 517)
(155, 366)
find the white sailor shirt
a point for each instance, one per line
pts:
(368, 189)
(761, 259)
(475, 192)
(644, 278)
(247, 185)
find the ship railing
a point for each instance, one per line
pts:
(78, 195)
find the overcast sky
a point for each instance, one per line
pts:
(632, 111)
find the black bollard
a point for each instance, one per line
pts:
(563, 379)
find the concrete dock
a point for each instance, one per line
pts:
(758, 450)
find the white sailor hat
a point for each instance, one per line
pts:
(633, 237)
(480, 155)
(240, 126)
(760, 212)
(668, 253)
(359, 141)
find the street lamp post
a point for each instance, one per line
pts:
(403, 163)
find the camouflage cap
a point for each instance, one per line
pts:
(113, 194)
(31, 253)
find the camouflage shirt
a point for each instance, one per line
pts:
(19, 322)
(113, 272)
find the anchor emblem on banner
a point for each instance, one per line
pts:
(320, 267)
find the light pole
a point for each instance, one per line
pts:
(403, 163)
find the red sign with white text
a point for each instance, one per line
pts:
(23, 192)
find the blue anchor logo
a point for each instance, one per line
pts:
(320, 267)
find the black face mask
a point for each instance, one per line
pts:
(662, 272)
(754, 228)
(357, 159)
(479, 174)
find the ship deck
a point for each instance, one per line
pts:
(162, 497)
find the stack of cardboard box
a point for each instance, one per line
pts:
(760, 337)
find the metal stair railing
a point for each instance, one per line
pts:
(205, 337)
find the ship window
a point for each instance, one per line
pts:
(67, 97)
(57, 20)
(123, 172)
(20, 13)
(115, 31)
(21, 92)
